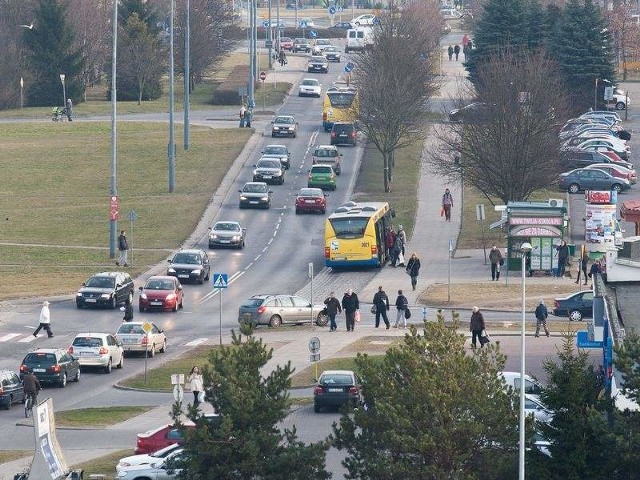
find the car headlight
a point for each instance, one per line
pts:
(213, 236)
(291, 129)
(105, 296)
(242, 197)
(171, 270)
(310, 65)
(265, 198)
(143, 296)
(196, 271)
(170, 297)
(79, 294)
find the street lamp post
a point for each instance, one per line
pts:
(113, 185)
(64, 89)
(172, 143)
(525, 248)
(187, 74)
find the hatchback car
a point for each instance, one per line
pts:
(274, 310)
(256, 195)
(343, 133)
(52, 366)
(159, 438)
(286, 43)
(532, 387)
(101, 350)
(576, 306)
(161, 292)
(134, 338)
(311, 200)
(284, 126)
(616, 171)
(365, 19)
(329, 155)
(341, 26)
(11, 390)
(309, 87)
(190, 265)
(320, 45)
(591, 179)
(335, 389)
(161, 469)
(301, 45)
(106, 289)
(332, 54)
(268, 170)
(227, 234)
(281, 152)
(317, 63)
(322, 176)
(146, 458)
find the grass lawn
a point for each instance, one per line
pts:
(105, 465)
(7, 456)
(97, 417)
(307, 377)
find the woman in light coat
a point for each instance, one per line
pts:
(195, 382)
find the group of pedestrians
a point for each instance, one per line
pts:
(395, 243)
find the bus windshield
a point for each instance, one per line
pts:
(341, 99)
(349, 227)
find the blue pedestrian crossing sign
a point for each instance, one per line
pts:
(332, 10)
(220, 280)
(265, 24)
(348, 67)
(303, 24)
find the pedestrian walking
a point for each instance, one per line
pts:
(495, 257)
(541, 318)
(381, 304)
(398, 256)
(282, 58)
(562, 251)
(413, 269)
(447, 203)
(389, 240)
(333, 308)
(465, 40)
(456, 50)
(196, 384)
(351, 307)
(476, 326)
(401, 306)
(450, 52)
(128, 310)
(243, 115)
(403, 236)
(594, 271)
(123, 247)
(45, 320)
(248, 116)
(69, 109)
(582, 268)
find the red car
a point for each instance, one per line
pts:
(161, 293)
(286, 43)
(153, 440)
(311, 200)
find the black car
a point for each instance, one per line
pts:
(255, 195)
(343, 133)
(341, 26)
(106, 289)
(336, 388)
(51, 365)
(11, 390)
(318, 63)
(190, 265)
(574, 306)
(476, 112)
(578, 158)
(301, 45)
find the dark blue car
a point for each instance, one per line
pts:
(576, 306)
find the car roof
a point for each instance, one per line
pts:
(338, 372)
(46, 350)
(221, 221)
(275, 145)
(92, 334)
(162, 277)
(285, 116)
(189, 250)
(255, 183)
(108, 274)
(131, 322)
(311, 190)
(326, 147)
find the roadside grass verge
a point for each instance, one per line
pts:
(98, 417)
(404, 187)
(307, 377)
(104, 465)
(59, 193)
(7, 456)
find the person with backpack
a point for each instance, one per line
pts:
(447, 204)
(401, 306)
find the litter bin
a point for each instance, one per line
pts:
(572, 249)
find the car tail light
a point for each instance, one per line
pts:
(327, 252)
(353, 390)
(144, 340)
(318, 391)
(374, 250)
(70, 350)
(333, 134)
(324, 116)
(261, 309)
(55, 369)
(103, 350)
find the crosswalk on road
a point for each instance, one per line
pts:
(28, 338)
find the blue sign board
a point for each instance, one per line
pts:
(348, 67)
(584, 342)
(220, 280)
(332, 10)
(339, 8)
(265, 24)
(313, 33)
(376, 21)
(303, 24)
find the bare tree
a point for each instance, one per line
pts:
(623, 32)
(395, 79)
(511, 147)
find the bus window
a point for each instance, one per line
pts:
(349, 227)
(341, 99)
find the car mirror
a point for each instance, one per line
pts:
(84, 284)
(255, 166)
(270, 192)
(180, 287)
(141, 288)
(169, 261)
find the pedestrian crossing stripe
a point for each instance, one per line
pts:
(220, 280)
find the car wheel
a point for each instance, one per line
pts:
(63, 381)
(574, 188)
(8, 405)
(297, 211)
(316, 408)
(616, 187)
(275, 321)
(121, 364)
(78, 305)
(152, 351)
(164, 347)
(107, 369)
(575, 315)
(620, 106)
(322, 319)
(77, 377)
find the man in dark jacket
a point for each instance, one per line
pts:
(456, 50)
(495, 258)
(563, 258)
(476, 326)
(350, 305)
(123, 247)
(541, 318)
(401, 306)
(381, 302)
(333, 308)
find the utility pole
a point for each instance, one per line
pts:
(253, 58)
(172, 143)
(113, 190)
(187, 73)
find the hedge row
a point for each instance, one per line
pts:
(228, 92)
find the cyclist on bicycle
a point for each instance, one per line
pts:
(31, 386)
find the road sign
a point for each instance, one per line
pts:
(332, 10)
(313, 33)
(114, 207)
(263, 76)
(376, 21)
(314, 358)
(177, 379)
(132, 215)
(303, 24)
(147, 327)
(220, 280)
(339, 8)
(349, 67)
(178, 393)
(265, 24)
(480, 212)
(314, 345)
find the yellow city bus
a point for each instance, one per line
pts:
(354, 235)
(339, 105)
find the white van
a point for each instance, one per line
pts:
(358, 39)
(532, 387)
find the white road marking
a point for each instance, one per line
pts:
(28, 339)
(196, 342)
(9, 336)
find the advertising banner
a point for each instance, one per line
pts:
(600, 227)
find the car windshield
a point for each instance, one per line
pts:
(326, 153)
(227, 226)
(275, 150)
(252, 302)
(321, 169)
(310, 82)
(337, 379)
(269, 164)
(90, 342)
(255, 188)
(188, 258)
(310, 192)
(349, 227)
(157, 284)
(341, 99)
(285, 40)
(318, 58)
(285, 120)
(323, 42)
(101, 282)
(331, 49)
(127, 328)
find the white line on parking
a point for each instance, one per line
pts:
(256, 259)
(264, 249)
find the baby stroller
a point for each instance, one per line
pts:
(57, 114)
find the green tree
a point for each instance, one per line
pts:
(146, 11)
(248, 444)
(434, 412)
(582, 47)
(49, 53)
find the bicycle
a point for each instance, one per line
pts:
(29, 402)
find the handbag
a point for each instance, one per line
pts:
(501, 261)
(356, 316)
(442, 212)
(407, 313)
(484, 339)
(201, 397)
(373, 309)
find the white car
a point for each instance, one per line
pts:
(157, 470)
(450, 13)
(309, 87)
(101, 350)
(532, 387)
(319, 46)
(147, 458)
(533, 406)
(134, 338)
(366, 19)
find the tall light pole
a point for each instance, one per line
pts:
(187, 80)
(525, 248)
(21, 94)
(252, 58)
(172, 143)
(64, 89)
(113, 190)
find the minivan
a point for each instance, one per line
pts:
(11, 390)
(358, 39)
(343, 133)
